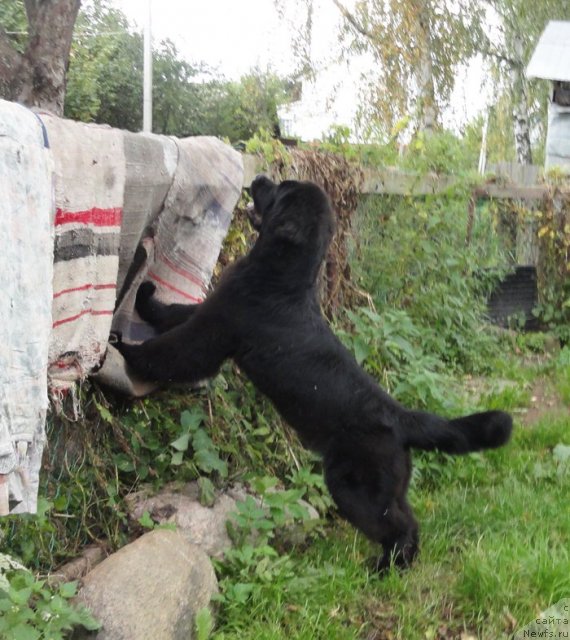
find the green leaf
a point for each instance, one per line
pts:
(24, 632)
(201, 440)
(361, 350)
(181, 443)
(241, 592)
(20, 596)
(191, 420)
(207, 492)
(104, 412)
(209, 461)
(177, 458)
(68, 589)
(146, 521)
(204, 622)
(263, 483)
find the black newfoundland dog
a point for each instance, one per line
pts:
(265, 315)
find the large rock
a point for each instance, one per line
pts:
(150, 589)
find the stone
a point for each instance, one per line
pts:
(151, 588)
(203, 526)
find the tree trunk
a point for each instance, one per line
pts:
(428, 112)
(521, 127)
(37, 77)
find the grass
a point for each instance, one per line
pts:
(494, 553)
(494, 526)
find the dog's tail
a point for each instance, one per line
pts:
(478, 431)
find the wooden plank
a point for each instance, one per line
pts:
(511, 191)
(394, 181)
(397, 182)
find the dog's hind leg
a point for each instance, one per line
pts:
(401, 538)
(371, 495)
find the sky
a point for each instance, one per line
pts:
(229, 35)
(233, 36)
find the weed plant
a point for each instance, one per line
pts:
(429, 286)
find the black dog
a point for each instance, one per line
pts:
(265, 315)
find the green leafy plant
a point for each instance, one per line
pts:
(31, 610)
(392, 348)
(205, 455)
(260, 520)
(413, 255)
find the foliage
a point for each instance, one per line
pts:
(264, 144)
(34, 58)
(509, 48)
(104, 80)
(32, 610)
(418, 46)
(412, 255)
(553, 231)
(488, 521)
(563, 375)
(105, 84)
(391, 348)
(338, 140)
(250, 105)
(442, 153)
(13, 20)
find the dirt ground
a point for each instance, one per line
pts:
(544, 400)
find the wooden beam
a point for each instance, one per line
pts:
(394, 181)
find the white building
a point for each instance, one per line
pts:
(551, 61)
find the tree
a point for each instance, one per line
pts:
(35, 73)
(250, 105)
(520, 25)
(418, 45)
(105, 74)
(105, 78)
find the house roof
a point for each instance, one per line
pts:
(551, 58)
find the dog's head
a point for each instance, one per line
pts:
(292, 214)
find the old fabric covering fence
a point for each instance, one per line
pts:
(88, 212)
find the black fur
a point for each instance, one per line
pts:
(265, 315)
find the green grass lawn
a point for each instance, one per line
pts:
(495, 526)
(495, 551)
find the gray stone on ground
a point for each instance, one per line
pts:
(150, 589)
(179, 505)
(205, 526)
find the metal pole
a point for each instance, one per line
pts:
(483, 152)
(147, 71)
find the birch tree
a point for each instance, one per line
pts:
(520, 24)
(418, 45)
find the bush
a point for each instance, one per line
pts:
(412, 255)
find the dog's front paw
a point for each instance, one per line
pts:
(145, 291)
(143, 302)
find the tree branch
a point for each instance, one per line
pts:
(352, 20)
(491, 52)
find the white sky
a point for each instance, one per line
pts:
(230, 35)
(234, 36)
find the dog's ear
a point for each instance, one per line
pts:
(289, 230)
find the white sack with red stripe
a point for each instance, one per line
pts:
(26, 238)
(180, 246)
(89, 164)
